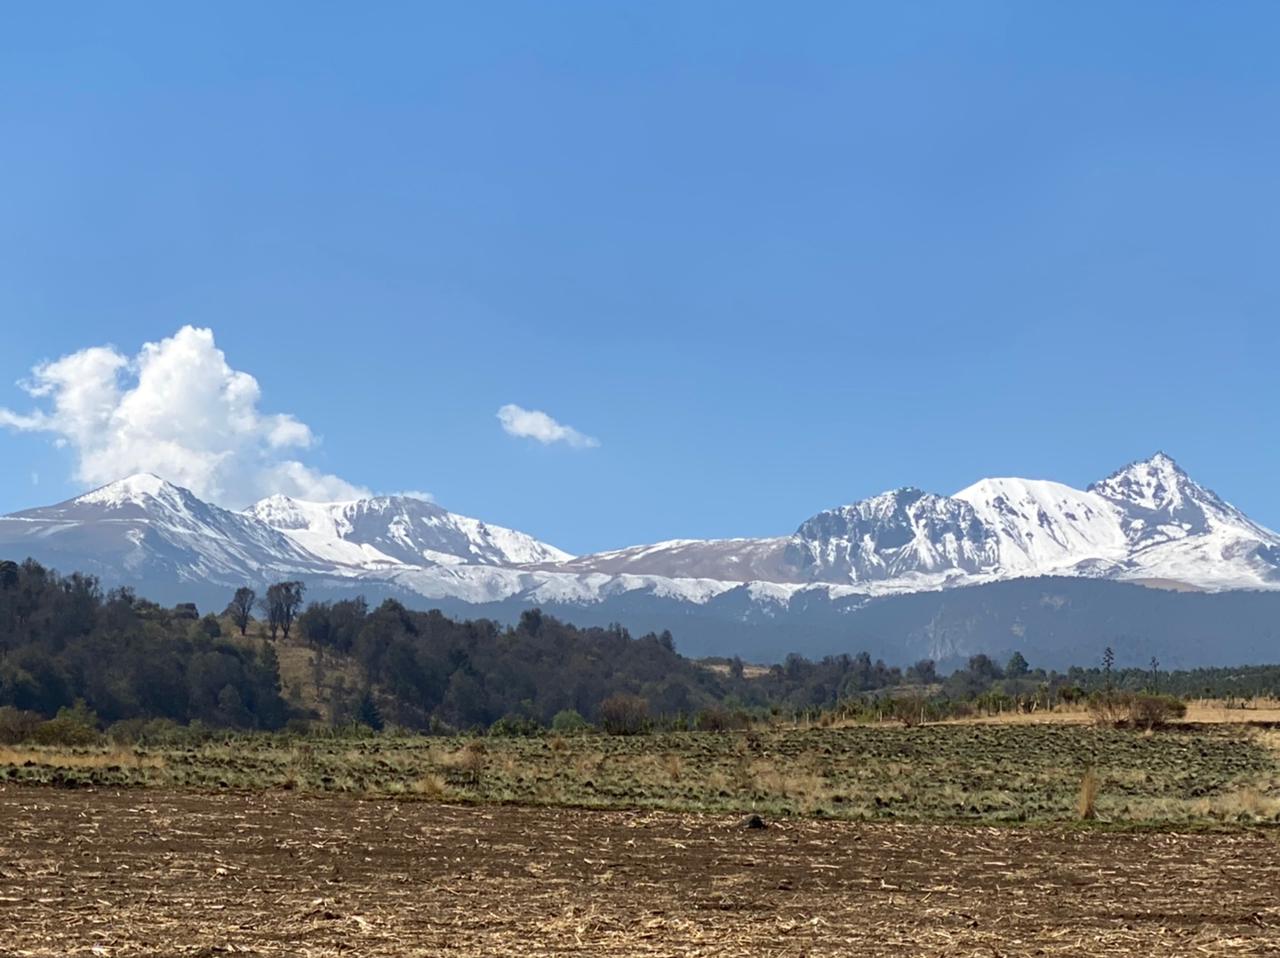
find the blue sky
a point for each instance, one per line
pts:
(770, 257)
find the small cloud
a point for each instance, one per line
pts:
(534, 424)
(416, 494)
(13, 420)
(35, 478)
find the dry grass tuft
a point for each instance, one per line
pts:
(430, 786)
(123, 758)
(1246, 804)
(588, 765)
(673, 766)
(1086, 800)
(466, 766)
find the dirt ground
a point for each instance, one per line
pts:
(156, 872)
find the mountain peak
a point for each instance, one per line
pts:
(1157, 483)
(131, 489)
(1161, 463)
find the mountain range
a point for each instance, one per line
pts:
(1130, 561)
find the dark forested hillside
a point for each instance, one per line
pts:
(64, 641)
(476, 672)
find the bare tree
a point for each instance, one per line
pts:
(268, 613)
(241, 608)
(624, 714)
(281, 605)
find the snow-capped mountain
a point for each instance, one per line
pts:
(1148, 523)
(144, 528)
(1178, 530)
(894, 535)
(399, 530)
(1039, 527)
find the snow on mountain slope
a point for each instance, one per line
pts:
(894, 534)
(729, 560)
(1162, 504)
(1042, 526)
(908, 537)
(147, 526)
(137, 492)
(399, 530)
(313, 526)
(1176, 529)
(481, 584)
(1149, 523)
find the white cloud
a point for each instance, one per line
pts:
(416, 494)
(534, 424)
(176, 409)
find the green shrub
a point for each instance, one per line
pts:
(127, 731)
(65, 730)
(1146, 710)
(568, 721)
(1070, 694)
(139, 731)
(515, 726)
(73, 725)
(1151, 710)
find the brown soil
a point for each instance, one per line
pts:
(168, 873)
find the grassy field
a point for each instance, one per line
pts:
(973, 772)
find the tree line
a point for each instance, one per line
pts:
(64, 640)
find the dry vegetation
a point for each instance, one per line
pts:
(968, 772)
(1253, 712)
(880, 842)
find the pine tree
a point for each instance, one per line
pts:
(1017, 666)
(367, 712)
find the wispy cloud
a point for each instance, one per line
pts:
(176, 409)
(416, 494)
(535, 424)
